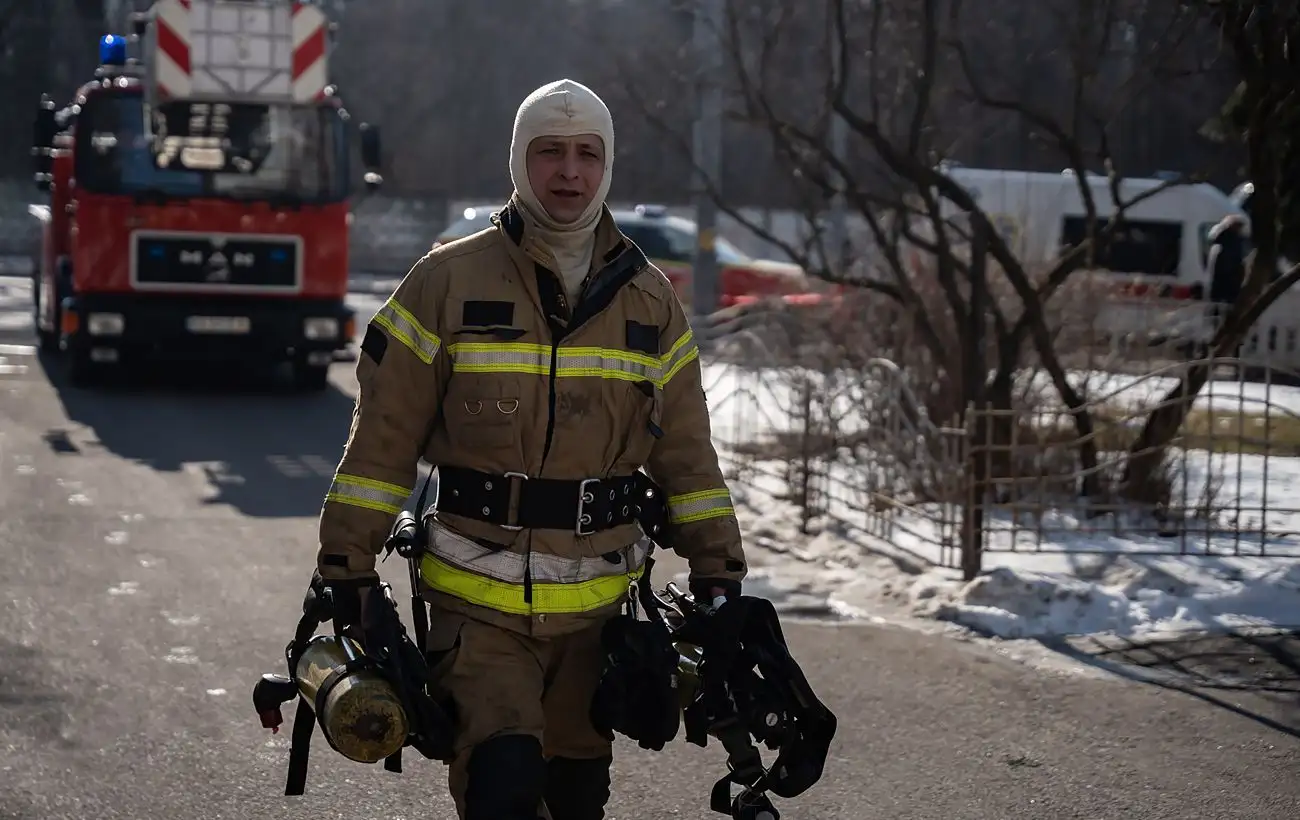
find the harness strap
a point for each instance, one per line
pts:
(299, 749)
(419, 612)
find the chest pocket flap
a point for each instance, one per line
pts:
(490, 318)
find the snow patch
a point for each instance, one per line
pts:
(1058, 577)
(838, 574)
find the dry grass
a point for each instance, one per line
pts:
(1221, 431)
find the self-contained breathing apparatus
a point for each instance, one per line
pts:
(724, 671)
(371, 699)
(730, 676)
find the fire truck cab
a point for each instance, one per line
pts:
(199, 195)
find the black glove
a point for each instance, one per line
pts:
(343, 603)
(702, 589)
(638, 691)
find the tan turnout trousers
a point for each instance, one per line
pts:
(503, 682)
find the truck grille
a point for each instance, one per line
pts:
(223, 263)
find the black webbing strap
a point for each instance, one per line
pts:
(299, 748)
(517, 501)
(419, 612)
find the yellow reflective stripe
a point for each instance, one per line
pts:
(507, 597)
(572, 362)
(405, 328)
(511, 567)
(683, 509)
(683, 351)
(366, 492)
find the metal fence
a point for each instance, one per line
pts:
(852, 443)
(1217, 489)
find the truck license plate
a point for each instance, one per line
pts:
(218, 324)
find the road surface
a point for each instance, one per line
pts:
(156, 542)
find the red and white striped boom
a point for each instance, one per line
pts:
(268, 52)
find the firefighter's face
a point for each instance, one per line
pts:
(565, 173)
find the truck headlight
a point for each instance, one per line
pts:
(105, 324)
(319, 328)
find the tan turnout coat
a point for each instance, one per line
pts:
(462, 367)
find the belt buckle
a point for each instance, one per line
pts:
(585, 497)
(509, 493)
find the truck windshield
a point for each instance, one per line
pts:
(307, 161)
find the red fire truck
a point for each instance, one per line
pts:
(198, 195)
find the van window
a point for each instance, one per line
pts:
(1148, 247)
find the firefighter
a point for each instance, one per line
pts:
(1226, 259)
(539, 365)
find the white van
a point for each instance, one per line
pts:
(1163, 237)
(1157, 257)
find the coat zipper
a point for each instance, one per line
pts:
(546, 451)
(557, 335)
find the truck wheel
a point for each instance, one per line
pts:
(310, 377)
(82, 372)
(47, 342)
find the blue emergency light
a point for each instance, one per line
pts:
(112, 50)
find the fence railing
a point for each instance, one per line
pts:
(1215, 491)
(850, 441)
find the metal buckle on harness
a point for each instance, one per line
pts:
(583, 525)
(511, 493)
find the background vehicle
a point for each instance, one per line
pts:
(200, 213)
(669, 242)
(1155, 264)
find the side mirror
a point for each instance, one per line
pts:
(371, 155)
(44, 129)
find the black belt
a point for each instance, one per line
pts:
(585, 507)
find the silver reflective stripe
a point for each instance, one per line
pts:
(683, 509)
(608, 364)
(405, 328)
(553, 568)
(504, 565)
(358, 491)
(486, 357)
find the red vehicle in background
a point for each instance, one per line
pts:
(198, 201)
(669, 241)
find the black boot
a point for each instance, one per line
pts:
(577, 789)
(506, 779)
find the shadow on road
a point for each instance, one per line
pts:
(1254, 675)
(31, 700)
(267, 450)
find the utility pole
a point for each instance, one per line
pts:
(117, 16)
(706, 152)
(837, 234)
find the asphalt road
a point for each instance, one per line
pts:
(156, 541)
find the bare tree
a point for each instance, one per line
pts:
(916, 83)
(1262, 39)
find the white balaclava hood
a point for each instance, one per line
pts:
(560, 109)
